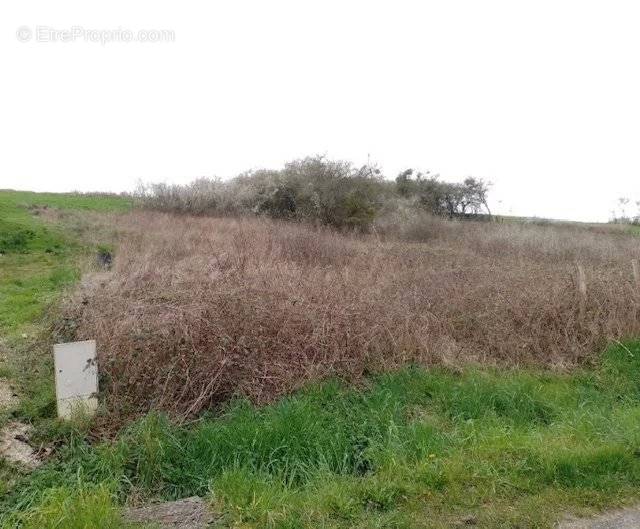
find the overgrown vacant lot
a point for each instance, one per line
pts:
(464, 379)
(197, 310)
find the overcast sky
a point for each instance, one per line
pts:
(541, 97)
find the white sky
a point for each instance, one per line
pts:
(540, 97)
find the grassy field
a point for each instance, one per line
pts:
(38, 258)
(415, 447)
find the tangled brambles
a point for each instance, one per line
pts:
(196, 310)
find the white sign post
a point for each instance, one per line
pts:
(76, 378)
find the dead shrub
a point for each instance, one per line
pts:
(196, 310)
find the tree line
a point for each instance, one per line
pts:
(317, 189)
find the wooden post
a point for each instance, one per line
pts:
(582, 288)
(582, 281)
(636, 272)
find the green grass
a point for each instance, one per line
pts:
(416, 448)
(80, 507)
(38, 258)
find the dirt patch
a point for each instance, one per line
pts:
(3, 347)
(8, 397)
(189, 513)
(15, 447)
(621, 519)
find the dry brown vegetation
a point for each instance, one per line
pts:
(196, 310)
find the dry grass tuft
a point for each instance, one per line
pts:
(196, 310)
